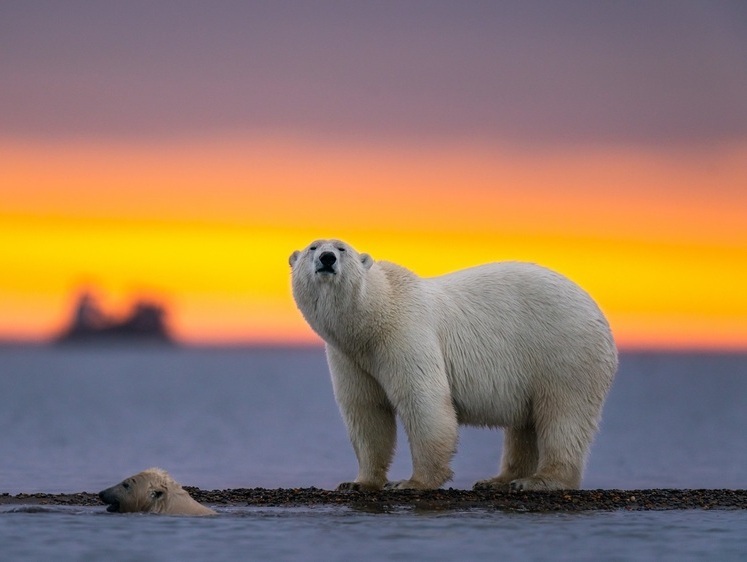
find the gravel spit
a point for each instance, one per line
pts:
(444, 499)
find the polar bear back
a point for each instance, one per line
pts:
(507, 329)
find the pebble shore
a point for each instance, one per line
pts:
(445, 499)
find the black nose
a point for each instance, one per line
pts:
(327, 258)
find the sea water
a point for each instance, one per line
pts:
(81, 419)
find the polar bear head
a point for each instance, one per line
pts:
(329, 278)
(151, 491)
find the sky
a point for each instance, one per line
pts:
(180, 151)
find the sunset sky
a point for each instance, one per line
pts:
(180, 151)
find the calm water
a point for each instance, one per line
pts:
(80, 420)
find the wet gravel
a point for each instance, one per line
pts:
(447, 499)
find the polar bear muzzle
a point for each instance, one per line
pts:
(327, 263)
(108, 497)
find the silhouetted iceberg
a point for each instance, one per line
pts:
(146, 322)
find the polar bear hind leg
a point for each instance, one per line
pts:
(565, 430)
(519, 458)
(551, 454)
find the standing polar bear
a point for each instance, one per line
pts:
(510, 345)
(152, 491)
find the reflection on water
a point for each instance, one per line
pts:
(334, 533)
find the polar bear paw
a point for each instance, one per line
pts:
(357, 487)
(526, 484)
(500, 484)
(408, 485)
(535, 483)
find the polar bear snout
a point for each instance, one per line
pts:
(110, 499)
(327, 259)
(326, 263)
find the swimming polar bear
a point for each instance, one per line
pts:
(152, 491)
(511, 345)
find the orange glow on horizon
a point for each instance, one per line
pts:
(659, 238)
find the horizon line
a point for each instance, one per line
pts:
(258, 344)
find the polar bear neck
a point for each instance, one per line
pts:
(362, 308)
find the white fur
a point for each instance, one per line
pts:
(510, 345)
(152, 491)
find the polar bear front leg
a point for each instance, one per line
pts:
(369, 419)
(432, 428)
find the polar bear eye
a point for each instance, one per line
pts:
(312, 248)
(341, 249)
(157, 494)
(126, 485)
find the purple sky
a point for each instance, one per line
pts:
(659, 72)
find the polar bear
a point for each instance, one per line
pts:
(510, 344)
(152, 491)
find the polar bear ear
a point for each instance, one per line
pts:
(293, 258)
(366, 260)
